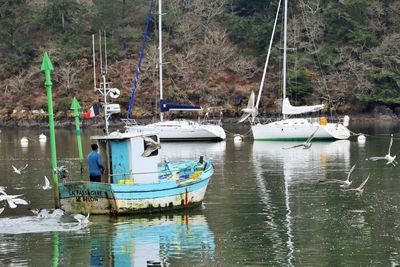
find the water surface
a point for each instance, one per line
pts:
(263, 207)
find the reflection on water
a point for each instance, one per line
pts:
(297, 166)
(182, 151)
(166, 239)
(263, 207)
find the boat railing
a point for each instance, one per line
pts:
(210, 116)
(312, 120)
(129, 122)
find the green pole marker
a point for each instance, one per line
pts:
(56, 252)
(75, 107)
(47, 67)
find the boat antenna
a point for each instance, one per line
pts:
(101, 55)
(105, 51)
(94, 64)
(267, 59)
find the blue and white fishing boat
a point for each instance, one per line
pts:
(135, 180)
(136, 183)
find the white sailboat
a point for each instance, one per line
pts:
(179, 130)
(293, 128)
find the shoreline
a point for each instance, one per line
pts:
(116, 122)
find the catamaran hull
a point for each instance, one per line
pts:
(183, 131)
(299, 129)
(103, 198)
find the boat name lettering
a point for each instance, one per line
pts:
(92, 193)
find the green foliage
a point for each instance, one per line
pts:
(15, 25)
(298, 84)
(345, 22)
(108, 15)
(249, 32)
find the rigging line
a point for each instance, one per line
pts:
(267, 59)
(135, 82)
(315, 47)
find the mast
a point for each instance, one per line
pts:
(267, 59)
(284, 53)
(160, 63)
(94, 64)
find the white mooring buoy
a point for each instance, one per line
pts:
(238, 138)
(24, 141)
(42, 138)
(361, 138)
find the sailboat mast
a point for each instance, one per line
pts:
(267, 59)
(160, 63)
(284, 53)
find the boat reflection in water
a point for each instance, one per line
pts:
(170, 240)
(177, 150)
(297, 166)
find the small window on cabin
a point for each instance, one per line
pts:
(151, 147)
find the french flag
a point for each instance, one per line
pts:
(92, 112)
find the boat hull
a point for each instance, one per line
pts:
(103, 198)
(299, 129)
(183, 131)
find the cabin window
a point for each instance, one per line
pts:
(151, 146)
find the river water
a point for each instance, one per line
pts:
(263, 207)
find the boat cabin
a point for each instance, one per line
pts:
(125, 159)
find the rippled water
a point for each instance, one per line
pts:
(263, 207)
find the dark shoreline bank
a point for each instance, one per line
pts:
(116, 122)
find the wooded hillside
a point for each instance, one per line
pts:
(343, 53)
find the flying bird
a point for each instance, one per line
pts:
(46, 184)
(307, 144)
(81, 218)
(343, 183)
(18, 171)
(1, 210)
(250, 109)
(390, 159)
(13, 200)
(151, 146)
(359, 190)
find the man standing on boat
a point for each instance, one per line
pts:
(95, 164)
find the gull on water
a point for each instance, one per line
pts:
(390, 159)
(43, 213)
(307, 144)
(46, 184)
(81, 218)
(18, 171)
(343, 183)
(359, 190)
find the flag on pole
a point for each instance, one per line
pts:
(92, 112)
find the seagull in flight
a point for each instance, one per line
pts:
(46, 184)
(307, 144)
(151, 146)
(18, 171)
(359, 190)
(13, 200)
(343, 183)
(250, 109)
(81, 218)
(390, 159)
